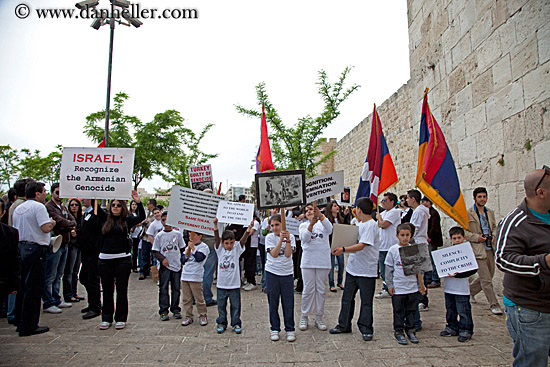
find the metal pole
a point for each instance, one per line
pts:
(107, 110)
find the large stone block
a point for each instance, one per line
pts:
(490, 143)
(532, 16)
(482, 28)
(458, 129)
(488, 52)
(505, 103)
(482, 87)
(469, 66)
(502, 172)
(456, 81)
(481, 174)
(508, 197)
(502, 73)
(534, 122)
(499, 13)
(514, 132)
(535, 85)
(524, 57)
(467, 17)
(542, 154)
(462, 49)
(467, 151)
(507, 36)
(525, 162)
(475, 120)
(464, 102)
(543, 37)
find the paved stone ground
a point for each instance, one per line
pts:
(148, 341)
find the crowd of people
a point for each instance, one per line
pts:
(101, 246)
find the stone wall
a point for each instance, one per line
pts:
(486, 64)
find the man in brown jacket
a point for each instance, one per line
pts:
(481, 221)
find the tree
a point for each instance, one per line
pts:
(9, 165)
(157, 144)
(46, 169)
(298, 147)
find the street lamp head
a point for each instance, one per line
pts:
(122, 3)
(98, 22)
(133, 21)
(87, 4)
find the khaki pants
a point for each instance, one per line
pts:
(484, 280)
(188, 291)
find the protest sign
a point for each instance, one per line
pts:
(280, 189)
(293, 226)
(344, 235)
(193, 210)
(96, 173)
(415, 258)
(454, 259)
(235, 213)
(345, 196)
(200, 177)
(324, 186)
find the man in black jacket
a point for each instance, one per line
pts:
(523, 254)
(88, 235)
(10, 260)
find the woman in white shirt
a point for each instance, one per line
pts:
(315, 265)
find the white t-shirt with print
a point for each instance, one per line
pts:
(155, 228)
(364, 263)
(388, 234)
(402, 284)
(229, 276)
(192, 270)
(280, 265)
(254, 236)
(459, 286)
(419, 219)
(27, 218)
(169, 245)
(315, 245)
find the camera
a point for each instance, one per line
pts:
(489, 240)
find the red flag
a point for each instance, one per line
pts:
(263, 158)
(220, 189)
(102, 144)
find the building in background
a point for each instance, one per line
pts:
(234, 192)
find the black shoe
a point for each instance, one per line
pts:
(367, 337)
(412, 337)
(85, 309)
(339, 330)
(141, 277)
(38, 330)
(212, 303)
(401, 339)
(90, 315)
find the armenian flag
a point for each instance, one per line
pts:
(378, 171)
(436, 174)
(263, 158)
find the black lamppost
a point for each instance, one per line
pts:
(102, 17)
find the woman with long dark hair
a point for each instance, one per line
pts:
(332, 212)
(115, 259)
(72, 266)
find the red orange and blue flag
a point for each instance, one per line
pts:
(436, 174)
(378, 173)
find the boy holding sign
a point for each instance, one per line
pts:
(457, 298)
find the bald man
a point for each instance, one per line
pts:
(523, 254)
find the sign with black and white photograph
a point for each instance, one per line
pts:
(96, 173)
(200, 177)
(280, 189)
(454, 259)
(345, 196)
(324, 186)
(415, 258)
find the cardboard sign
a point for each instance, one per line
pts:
(200, 177)
(293, 226)
(454, 259)
(193, 210)
(415, 258)
(324, 186)
(235, 213)
(344, 235)
(96, 173)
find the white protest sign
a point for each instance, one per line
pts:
(293, 226)
(96, 173)
(454, 259)
(193, 210)
(325, 185)
(235, 213)
(200, 177)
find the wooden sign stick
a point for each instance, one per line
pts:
(95, 207)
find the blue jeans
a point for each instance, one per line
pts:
(459, 305)
(352, 285)
(11, 307)
(145, 257)
(167, 301)
(529, 330)
(234, 296)
(340, 259)
(280, 287)
(208, 276)
(70, 275)
(55, 266)
(382, 267)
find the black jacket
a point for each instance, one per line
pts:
(88, 234)
(117, 241)
(10, 260)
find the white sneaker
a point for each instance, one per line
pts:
(422, 307)
(383, 294)
(303, 323)
(320, 324)
(105, 325)
(290, 336)
(53, 309)
(249, 287)
(65, 305)
(120, 325)
(496, 310)
(274, 335)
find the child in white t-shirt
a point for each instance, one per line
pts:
(457, 298)
(279, 278)
(229, 283)
(193, 260)
(403, 289)
(167, 249)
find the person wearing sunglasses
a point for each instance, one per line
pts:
(523, 254)
(115, 259)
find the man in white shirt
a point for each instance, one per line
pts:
(34, 224)
(387, 225)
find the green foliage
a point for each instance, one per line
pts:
(528, 145)
(157, 144)
(45, 169)
(297, 147)
(9, 165)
